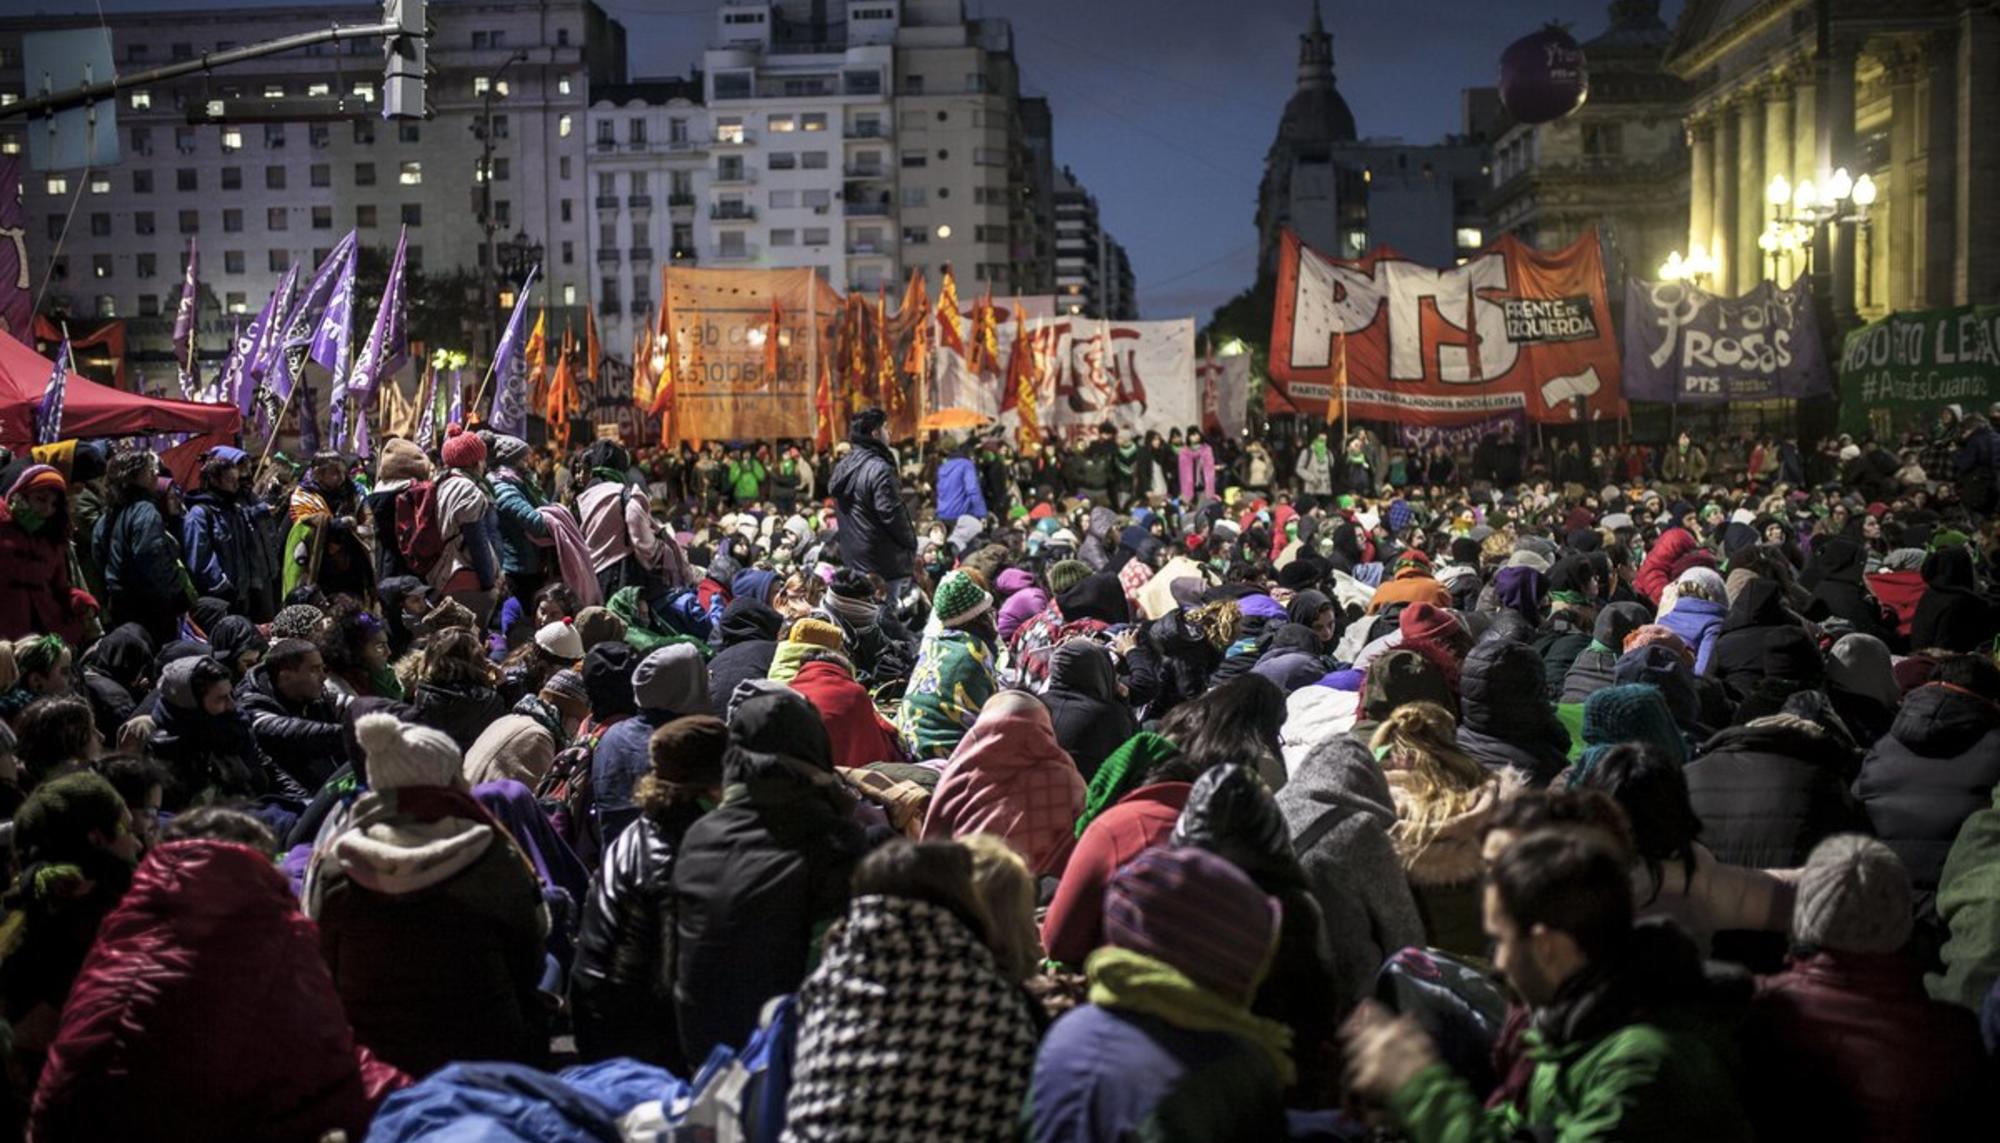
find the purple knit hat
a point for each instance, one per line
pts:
(1198, 913)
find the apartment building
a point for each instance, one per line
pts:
(1093, 276)
(650, 143)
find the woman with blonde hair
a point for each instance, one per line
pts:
(1444, 799)
(1005, 887)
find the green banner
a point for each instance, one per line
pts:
(1898, 372)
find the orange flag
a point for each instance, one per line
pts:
(642, 367)
(1339, 394)
(538, 360)
(947, 315)
(668, 340)
(590, 353)
(1023, 375)
(771, 337)
(559, 399)
(916, 309)
(985, 349)
(887, 384)
(823, 407)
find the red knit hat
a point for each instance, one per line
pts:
(462, 449)
(1429, 623)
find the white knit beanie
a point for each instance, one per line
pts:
(401, 754)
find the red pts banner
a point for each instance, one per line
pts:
(1512, 330)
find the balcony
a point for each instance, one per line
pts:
(679, 201)
(641, 306)
(744, 253)
(865, 209)
(866, 131)
(606, 146)
(607, 256)
(742, 177)
(870, 173)
(607, 202)
(868, 249)
(640, 253)
(639, 201)
(607, 306)
(732, 212)
(635, 145)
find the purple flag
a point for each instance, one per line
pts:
(290, 359)
(388, 346)
(231, 374)
(427, 406)
(266, 334)
(333, 346)
(510, 371)
(186, 316)
(457, 412)
(49, 413)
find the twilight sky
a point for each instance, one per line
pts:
(1164, 108)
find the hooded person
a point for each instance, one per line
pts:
(1231, 813)
(1571, 623)
(1010, 777)
(224, 543)
(1656, 571)
(1844, 1044)
(1834, 575)
(1758, 622)
(430, 919)
(759, 876)
(1622, 713)
(667, 684)
(1700, 605)
(1082, 699)
(1899, 586)
(237, 645)
(954, 674)
(749, 631)
(1861, 684)
(209, 936)
(1768, 790)
(36, 594)
(950, 1049)
(1593, 666)
(202, 738)
(117, 672)
(1953, 614)
(1168, 1046)
(1022, 599)
(1936, 767)
(405, 599)
(622, 981)
(1397, 677)
(1505, 718)
(1523, 590)
(1290, 657)
(880, 649)
(859, 734)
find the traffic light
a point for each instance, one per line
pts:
(403, 65)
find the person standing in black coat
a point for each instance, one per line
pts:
(622, 984)
(1082, 698)
(760, 876)
(875, 534)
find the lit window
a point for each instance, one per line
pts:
(100, 184)
(57, 184)
(729, 130)
(481, 84)
(274, 91)
(563, 126)
(813, 122)
(569, 295)
(1469, 238)
(316, 89)
(232, 140)
(412, 173)
(237, 304)
(142, 100)
(8, 99)
(10, 145)
(214, 108)
(562, 85)
(107, 306)
(501, 89)
(778, 123)
(365, 91)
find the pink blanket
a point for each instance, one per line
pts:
(572, 555)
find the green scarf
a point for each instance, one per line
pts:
(385, 682)
(1135, 982)
(1573, 598)
(610, 474)
(1123, 772)
(30, 520)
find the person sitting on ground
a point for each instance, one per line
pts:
(954, 674)
(294, 718)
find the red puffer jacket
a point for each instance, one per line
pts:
(35, 595)
(205, 1012)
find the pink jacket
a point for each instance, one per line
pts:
(611, 538)
(1010, 778)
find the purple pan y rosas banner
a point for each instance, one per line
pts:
(1686, 345)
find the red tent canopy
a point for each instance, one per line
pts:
(93, 410)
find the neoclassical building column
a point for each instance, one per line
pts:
(1722, 222)
(1749, 191)
(1777, 160)
(1898, 245)
(1701, 184)
(1836, 149)
(1941, 182)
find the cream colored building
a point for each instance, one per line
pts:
(1906, 94)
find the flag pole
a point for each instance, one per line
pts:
(277, 426)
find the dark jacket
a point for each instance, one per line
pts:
(1834, 576)
(621, 987)
(881, 652)
(301, 741)
(1592, 668)
(1952, 614)
(1937, 765)
(227, 554)
(1758, 623)
(1505, 717)
(760, 876)
(516, 504)
(140, 557)
(1171, 663)
(1563, 636)
(875, 533)
(1082, 698)
(1106, 1075)
(1767, 792)
(209, 755)
(462, 710)
(1846, 1046)
(113, 668)
(749, 632)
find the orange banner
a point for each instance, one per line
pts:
(1512, 329)
(720, 322)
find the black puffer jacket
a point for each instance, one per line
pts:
(463, 710)
(1769, 791)
(113, 671)
(1937, 764)
(1171, 663)
(1833, 575)
(1232, 814)
(1591, 670)
(1563, 636)
(757, 876)
(1952, 614)
(1757, 624)
(749, 631)
(1082, 698)
(301, 741)
(875, 533)
(622, 984)
(1505, 718)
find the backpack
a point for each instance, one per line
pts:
(418, 539)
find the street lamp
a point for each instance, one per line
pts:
(1694, 269)
(1812, 206)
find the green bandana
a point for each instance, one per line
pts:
(30, 520)
(1135, 982)
(1123, 772)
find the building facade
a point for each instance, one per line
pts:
(1344, 195)
(649, 165)
(1907, 94)
(1618, 164)
(1093, 275)
(260, 197)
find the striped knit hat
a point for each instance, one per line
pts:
(1066, 574)
(959, 600)
(1196, 912)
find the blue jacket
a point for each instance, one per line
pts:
(1105, 1075)
(139, 557)
(621, 758)
(520, 524)
(222, 545)
(958, 491)
(1697, 622)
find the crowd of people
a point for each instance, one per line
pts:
(1153, 786)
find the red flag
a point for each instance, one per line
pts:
(823, 407)
(947, 315)
(771, 343)
(916, 308)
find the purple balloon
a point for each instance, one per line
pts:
(1543, 76)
